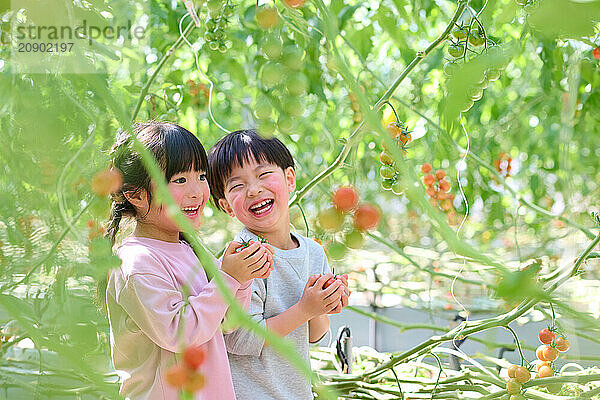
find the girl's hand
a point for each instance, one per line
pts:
(317, 300)
(254, 261)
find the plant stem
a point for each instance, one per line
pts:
(161, 63)
(354, 136)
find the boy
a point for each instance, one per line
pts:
(251, 178)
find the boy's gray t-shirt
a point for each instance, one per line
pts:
(258, 371)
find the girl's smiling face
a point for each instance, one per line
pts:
(257, 194)
(189, 190)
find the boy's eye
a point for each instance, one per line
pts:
(202, 177)
(265, 173)
(234, 187)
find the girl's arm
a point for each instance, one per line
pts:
(160, 310)
(243, 295)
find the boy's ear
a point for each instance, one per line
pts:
(290, 177)
(224, 204)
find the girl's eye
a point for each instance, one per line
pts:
(179, 180)
(202, 177)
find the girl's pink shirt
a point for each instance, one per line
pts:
(151, 319)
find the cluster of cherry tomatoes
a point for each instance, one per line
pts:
(463, 37)
(438, 189)
(345, 201)
(503, 164)
(283, 82)
(388, 171)
(199, 93)
(517, 375)
(220, 11)
(596, 53)
(281, 75)
(546, 353)
(186, 376)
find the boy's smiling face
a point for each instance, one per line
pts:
(257, 194)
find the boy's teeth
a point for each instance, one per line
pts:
(261, 207)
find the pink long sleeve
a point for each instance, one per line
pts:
(151, 319)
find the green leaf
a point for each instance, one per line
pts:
(362, 40)
(564, 18)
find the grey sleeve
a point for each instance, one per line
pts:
(241, 341)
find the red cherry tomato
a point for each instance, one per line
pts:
(546, 336)
(562, 344)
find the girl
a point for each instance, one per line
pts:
(151, 316)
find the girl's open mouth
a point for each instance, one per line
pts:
(191, 211)
(262, 208)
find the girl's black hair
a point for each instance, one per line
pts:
(175, 149)
(236, 149)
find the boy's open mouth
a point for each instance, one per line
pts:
(262, 207)
(190, 211)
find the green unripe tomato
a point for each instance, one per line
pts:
(293, 106)
(466, 105)
(459, 33)
(271, 74)
(387, 172)
(285, 124)
(336, 250)
(262, 108)
(214, 7)
(493, 74)
(354, 239)
(296, 83)
(386, 158)
(266, 127)
(292, 58)
(476, 40)
(456, 50)
(386, 184)
(475, 92)
(272, 48)
(398, 187)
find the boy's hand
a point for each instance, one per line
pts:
(317, 300)
(253, 261)
(346, 293)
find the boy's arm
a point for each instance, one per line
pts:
(317, 328)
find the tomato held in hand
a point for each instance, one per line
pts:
(546, 336)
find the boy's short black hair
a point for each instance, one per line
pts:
(235, 149)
